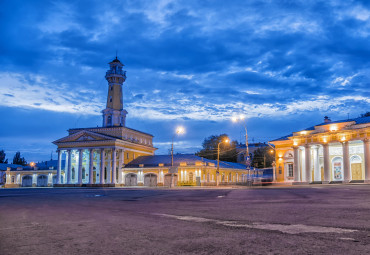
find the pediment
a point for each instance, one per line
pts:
(84, 136)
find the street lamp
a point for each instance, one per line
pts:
(240, 118)
(179, 131)
(218, 158)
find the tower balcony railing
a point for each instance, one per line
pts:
(119, 72)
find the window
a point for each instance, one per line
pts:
(111, 87)
(290, 170)
(109, 121)
(13, 179)
(127, 155)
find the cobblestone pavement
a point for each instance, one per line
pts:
(316, 219)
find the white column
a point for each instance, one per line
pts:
(326, 163)
(316, 164)
(59, 170)
(80, 154)
(114, 166)
(109, 168)
(69, 175)
(102, 165)
(308, 177)
(120, 165)
(65, 168)
(91, 166)
(367, 159)
(346, 166)
(296, 171)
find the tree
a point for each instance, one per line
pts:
(227, 150)
(18, 160)
(2, 157)
(367, 114)
(263, 157)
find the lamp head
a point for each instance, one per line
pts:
(180, 130)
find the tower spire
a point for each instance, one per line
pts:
(114, 114)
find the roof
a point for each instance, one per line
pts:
(190, 159)
(360, 120)
(111, 127)
(4, 166)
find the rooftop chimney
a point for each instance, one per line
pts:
(326, 119)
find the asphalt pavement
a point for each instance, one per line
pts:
(315, 219)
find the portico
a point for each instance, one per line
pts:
(331, 152)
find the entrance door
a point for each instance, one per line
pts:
(42, 181)
(27, 181)
(167, 180)
(150, 180)
(131, 180)
(356, 171)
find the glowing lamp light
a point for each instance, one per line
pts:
(271, 151)
(303, 132)
(32, 164)
(325, 140)
(343, 138)
(295, 143)
(180, 130)
(333, 128)
(226, 140)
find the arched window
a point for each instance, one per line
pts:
(109, 122)
(337, 164)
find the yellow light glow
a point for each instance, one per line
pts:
(303, 132)
(226, 140)
(272, 151)
(343, 138)
(295, 143)
(325, 140)
(180, 130)
(32, 164)
(333, 128)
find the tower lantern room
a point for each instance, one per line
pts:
(114, 114)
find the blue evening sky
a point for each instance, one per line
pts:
(283, 64)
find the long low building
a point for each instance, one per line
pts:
(186, 170)
(150, 171)
(15, 176)
(330, 152)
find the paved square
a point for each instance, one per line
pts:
(315, 219)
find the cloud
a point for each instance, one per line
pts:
(37, 92)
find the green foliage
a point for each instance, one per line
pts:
(2, 157)
(18, 160)
(367, 114)
(263, 157)
(227, 150)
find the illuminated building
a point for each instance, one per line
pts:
(331, 152)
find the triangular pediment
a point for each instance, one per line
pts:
(84, 136)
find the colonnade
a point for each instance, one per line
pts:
(106, 166)
(302, 158)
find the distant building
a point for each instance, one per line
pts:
(332, 151)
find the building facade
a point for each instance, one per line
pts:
(15, 176)
(97, 155)
(187, 170)
(330, 152)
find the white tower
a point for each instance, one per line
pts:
(114, 114)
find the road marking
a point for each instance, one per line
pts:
(288, 229)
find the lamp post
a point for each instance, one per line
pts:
(179, 130)
(218, 158)
(247, 157)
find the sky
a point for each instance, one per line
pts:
(284, 65)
